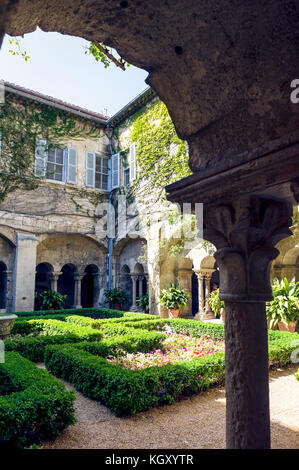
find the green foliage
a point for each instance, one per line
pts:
(161, 155)
(93, 312)
(99, 51)
(143, 302)
(215, 302)
(116, 296)
(56, 327)
(34, 348)
(50, 299)
(17, 50)
(297, 375)
(129, 391)
(174, 297)
(33, 404)
(285, 304)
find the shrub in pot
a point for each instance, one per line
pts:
(173, 299)
(50, 300)
(216, 304)
(116, 298)
(283, 310)
(143, 302)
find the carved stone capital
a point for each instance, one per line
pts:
(245, 233)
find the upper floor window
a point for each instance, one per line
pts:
(97, 170)
(129, 171)
(127, 176)
(55, 163)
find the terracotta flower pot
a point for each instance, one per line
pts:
(291, 327)
(116, 306)
(174, 312)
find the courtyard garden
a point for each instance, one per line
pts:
(128, 362)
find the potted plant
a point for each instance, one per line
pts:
(143, 302)
(116, 298)
(216, 304)
(173, 298)
(283, 310)
(50, 300)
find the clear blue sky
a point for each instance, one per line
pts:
(59, 67)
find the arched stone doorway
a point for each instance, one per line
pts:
(43, 276)
(126, 284)
(3, 285)
(194, 282)
(89, 286)
(66, 284)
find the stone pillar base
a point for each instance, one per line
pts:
(204, 316)
(134, 308)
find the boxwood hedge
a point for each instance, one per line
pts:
(33, 403)
(128, 391)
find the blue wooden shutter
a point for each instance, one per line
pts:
(115, 170)
(71, 166)
(90, 169)
(132, 162)
(41, 156)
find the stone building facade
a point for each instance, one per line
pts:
(100, 219)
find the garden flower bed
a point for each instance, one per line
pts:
(132, 361)
(176, 347)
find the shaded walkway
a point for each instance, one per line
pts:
(197, 422)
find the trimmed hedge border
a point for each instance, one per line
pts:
(140, 341)
(34, 348)
(33, 404)
(128, 391)
(52, 327)
(100, 312)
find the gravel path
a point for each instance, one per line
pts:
(197, 422)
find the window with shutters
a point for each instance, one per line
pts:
(97, 171)
(101, 172)
(55, 165)
(127, 176)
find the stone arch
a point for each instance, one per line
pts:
(138, 268)
(62, 249)
(66, 284)
(125, 283)
(90, 286)
(3, 285)
(43, 280)
(7, 252)
(290, 264)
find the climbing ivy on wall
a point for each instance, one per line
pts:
(21, 123)
(161, 155)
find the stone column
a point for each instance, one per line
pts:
(77, 291)
(245, 232)
(185, 282)
(96, 289)
(24, 273)
(54, 280)
(140, 281)
(8, 291)
(102, 281)
(200, 278)
(134, 280)
(208, 314)
(147, 286)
